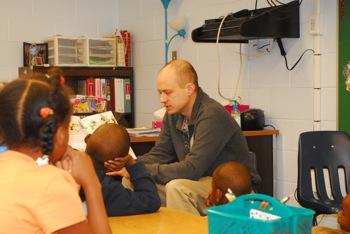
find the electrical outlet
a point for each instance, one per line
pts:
(263, 46)
(314, 25)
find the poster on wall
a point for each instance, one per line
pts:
(344, 66)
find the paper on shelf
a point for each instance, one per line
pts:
(131, 152)
(143, 131)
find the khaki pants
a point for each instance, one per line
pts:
(186, 195)
(183, 194)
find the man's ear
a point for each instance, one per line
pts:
(189, 88)
(87, 137)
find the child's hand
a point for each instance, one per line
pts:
(80, 166)
(118, 163)
(209, 200)
(123, 172)
(65, 163)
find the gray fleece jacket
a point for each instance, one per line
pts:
(217, 139)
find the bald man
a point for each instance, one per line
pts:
(198, 135)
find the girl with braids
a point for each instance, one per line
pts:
(39, 174)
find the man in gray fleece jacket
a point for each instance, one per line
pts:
(197, 136)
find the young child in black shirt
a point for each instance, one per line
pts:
(111, 142)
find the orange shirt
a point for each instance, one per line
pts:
(36, 199)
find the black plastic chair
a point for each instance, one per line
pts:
(319, 152)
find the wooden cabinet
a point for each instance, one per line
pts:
(76, 75)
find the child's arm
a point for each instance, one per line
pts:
(83, 172)
(123, 201)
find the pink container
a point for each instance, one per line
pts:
(157, 123)
(241, 108)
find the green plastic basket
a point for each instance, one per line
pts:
(234, 217)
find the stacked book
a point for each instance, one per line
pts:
(122, 95)
(116, 92)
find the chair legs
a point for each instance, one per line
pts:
(314, 219)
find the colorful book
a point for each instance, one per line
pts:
(91, 122)
(127, 95)
(90, 87)
(127, 46)
(119, 95)
(120, 49)
(103, 87)
(81, 87)
(97, 87)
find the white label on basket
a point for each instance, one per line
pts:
(258, 214)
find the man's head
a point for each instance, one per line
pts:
(107, 142)
(231, 175)
(177, 84)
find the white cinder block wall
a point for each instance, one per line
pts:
(34, 20)
(286, 97)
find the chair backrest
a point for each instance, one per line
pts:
(323, 154)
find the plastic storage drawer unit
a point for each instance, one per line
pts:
(102, 52)
(65, 51)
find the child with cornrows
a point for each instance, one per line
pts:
(39, 175)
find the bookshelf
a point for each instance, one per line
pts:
(76, 75)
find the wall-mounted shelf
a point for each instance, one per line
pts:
(280, 21)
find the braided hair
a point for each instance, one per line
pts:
(31, 109)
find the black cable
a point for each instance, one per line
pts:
(269, 125)
(271, 4)
(283, 53)
(285, 59)
(280, 45)
(300, 2)
(285, 12)
(279, 2)
(295, 195)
